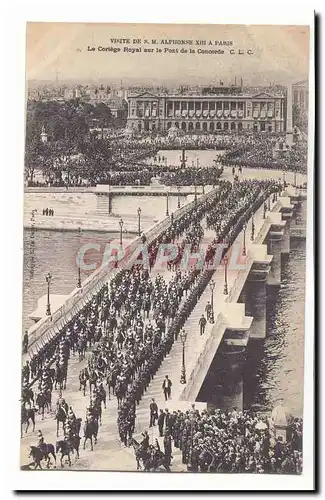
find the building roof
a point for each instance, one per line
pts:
(116, 102)
(301, 82)
(251, 93)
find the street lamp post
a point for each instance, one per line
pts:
(139, 221)
(253, 228)
(225, 288)
(79, 271)
(212, 286)
(167, 204)
(269, 203)
(244, 243)
(295, 179)
(121, 231)
(284, 179)
(48, 278)
(178, 197)
(183, 336)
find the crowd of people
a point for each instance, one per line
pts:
(228, 441)
(266, 151)
(191, 176)
(123, 160)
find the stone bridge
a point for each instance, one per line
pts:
(239, 315)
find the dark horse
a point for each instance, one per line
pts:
(41, 452)
(148, 462)
(61, 376)
(27, 414)
(66, 447)
(111, 381)
(83, 377)
(120, 392)
(27, 395)
(101, 396)
(43, 399)
(90, 432)
(61, 416)
(81, 347)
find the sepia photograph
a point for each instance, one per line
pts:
(164, 248)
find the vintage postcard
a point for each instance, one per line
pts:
(165, 209)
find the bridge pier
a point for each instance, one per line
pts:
(286, 216)
(231, 379)
(224, 384)
(255, 298)
(286, 234)
(275, 248)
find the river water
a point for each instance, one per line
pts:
(55, 252)
(274, 367)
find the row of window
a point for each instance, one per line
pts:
(255, 114)
(205, 105)
(211, 126)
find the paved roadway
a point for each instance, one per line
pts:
(109, 453)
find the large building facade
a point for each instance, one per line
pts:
(210, 111)
(300, 94)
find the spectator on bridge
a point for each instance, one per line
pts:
(161, 421)
(208, 310)
(202, 323)
(168, 447)
(167, 388)
(25, 342)
(153, 412)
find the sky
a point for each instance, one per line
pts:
(276, 53)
